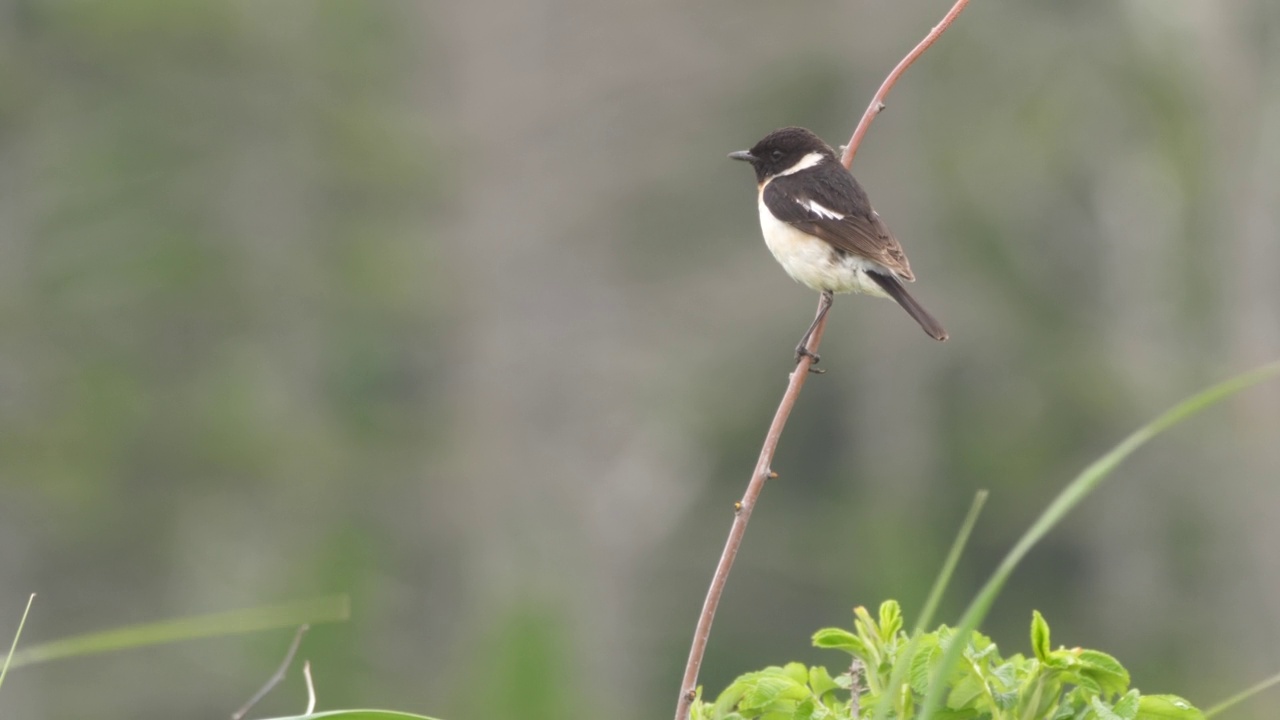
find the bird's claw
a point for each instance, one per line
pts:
(803, 352)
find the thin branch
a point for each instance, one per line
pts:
(275, 679)
(763, 471)
(743, 510)
(877, 102)
(855, 689)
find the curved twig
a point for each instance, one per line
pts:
(275, 679)
(743, 508)
(877, 101)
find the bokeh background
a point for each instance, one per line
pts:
(460, 308)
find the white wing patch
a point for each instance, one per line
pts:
(813, 207)
(810, 261)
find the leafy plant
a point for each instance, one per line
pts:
(1049, 684)
(931, 676)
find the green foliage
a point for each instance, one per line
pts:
(1086, 482)
(1061, 684)
(933, 676)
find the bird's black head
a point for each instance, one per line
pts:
(789, 148)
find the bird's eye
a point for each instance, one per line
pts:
(776, 155)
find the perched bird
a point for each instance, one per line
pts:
(819, 225)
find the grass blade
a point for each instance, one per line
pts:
(359, 715)
(1077, 490)
(931, 605)
(14, 647)
(949, 566)
(1242, 696)
(331, 608)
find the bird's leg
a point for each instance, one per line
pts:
(823, 307)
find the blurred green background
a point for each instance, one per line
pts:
(460, 308)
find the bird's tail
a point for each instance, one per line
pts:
(898, 292)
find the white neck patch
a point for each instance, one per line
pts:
(804, 163)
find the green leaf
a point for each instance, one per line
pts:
(980, 647)
(890, 621)
(1127, 706)
(767, 691)
(1040, 636)
(1087, 684)
(729, 697)
(763, 693)
(810, 709)
(1005, 676)
(1073, 705)
(966, 693)
(1006, 700)
(865, 628)
(840, 639)
(820, 681)
(697, 708)
(1037, 694)
(1072, 495)
(1103, 711)
(797, 673)
(926, 655)
(1061, 659)
(1167, 707)
(966, 714)
(1110, 675)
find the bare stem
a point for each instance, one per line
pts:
(742, 514)
(855, 689)
(877, 101)
(275, 679)
(311, 687)
(763, 471)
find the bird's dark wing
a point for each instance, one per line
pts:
(837, 212)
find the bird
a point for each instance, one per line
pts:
(819, 224)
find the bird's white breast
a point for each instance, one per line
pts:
(812, 262)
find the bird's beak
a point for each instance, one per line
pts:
(744, 155)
